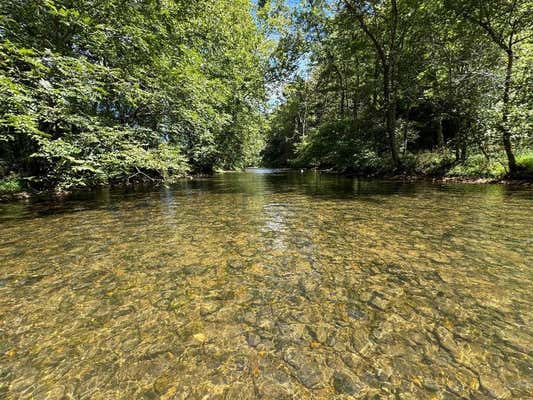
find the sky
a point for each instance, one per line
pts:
(276, 90)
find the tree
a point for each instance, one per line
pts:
(388, 49)
(507, 23)
(102, 92)
(381, 69)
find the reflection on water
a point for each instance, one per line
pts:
(269, 285)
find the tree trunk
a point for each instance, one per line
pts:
(390, 114)
(355, 109)
(355, 95)
(342, 90)
(506, 133)
(440, 133)
(375, 86)
(393, 88)
(389, 63)
(343, 101)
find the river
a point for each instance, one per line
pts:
(269, 284)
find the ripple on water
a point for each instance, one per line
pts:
(269, 285)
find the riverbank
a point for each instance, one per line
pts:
(442, 167)
(22, 192)
(465, 180)
(410, 178)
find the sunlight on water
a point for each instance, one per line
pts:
(269, 285)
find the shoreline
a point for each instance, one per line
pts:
(54, 193)
(528, 183)
(463, 180)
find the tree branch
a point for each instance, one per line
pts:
(367, 31)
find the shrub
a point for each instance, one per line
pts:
(524, 161)
(10, 185)
(478, 166)
(337, 145)
(433, 163)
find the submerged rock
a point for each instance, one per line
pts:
(200, 337)
(249, 318)
(292, 357)
(447, 341)
(362, 343)
(273, 390)
(346, 383)
(356, 313)
(306, 370)
(162, 384)
(310, 376)
(253, 340)
(440, 258)
(319, 333)
(351, 360)
(208, 309)
(494, 387)
(292, 332)
(379, 301)
(384, 372)
(430, 385)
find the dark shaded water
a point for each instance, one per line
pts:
(269, 285)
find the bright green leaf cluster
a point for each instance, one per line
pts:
(118, 91)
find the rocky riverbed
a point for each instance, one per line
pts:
(266, 291)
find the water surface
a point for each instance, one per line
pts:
(269, 285)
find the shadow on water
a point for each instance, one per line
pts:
(253, 182)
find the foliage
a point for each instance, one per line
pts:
(96, 93)
(525, 164)
(525, 160)
(103, 92)
(478, 166)
(426, 82)
(11, 184)
(334, 145)
(432, 163)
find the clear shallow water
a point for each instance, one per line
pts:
(269, 285)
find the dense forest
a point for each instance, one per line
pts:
(98, 92)
(102, 92)
(424, 87)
